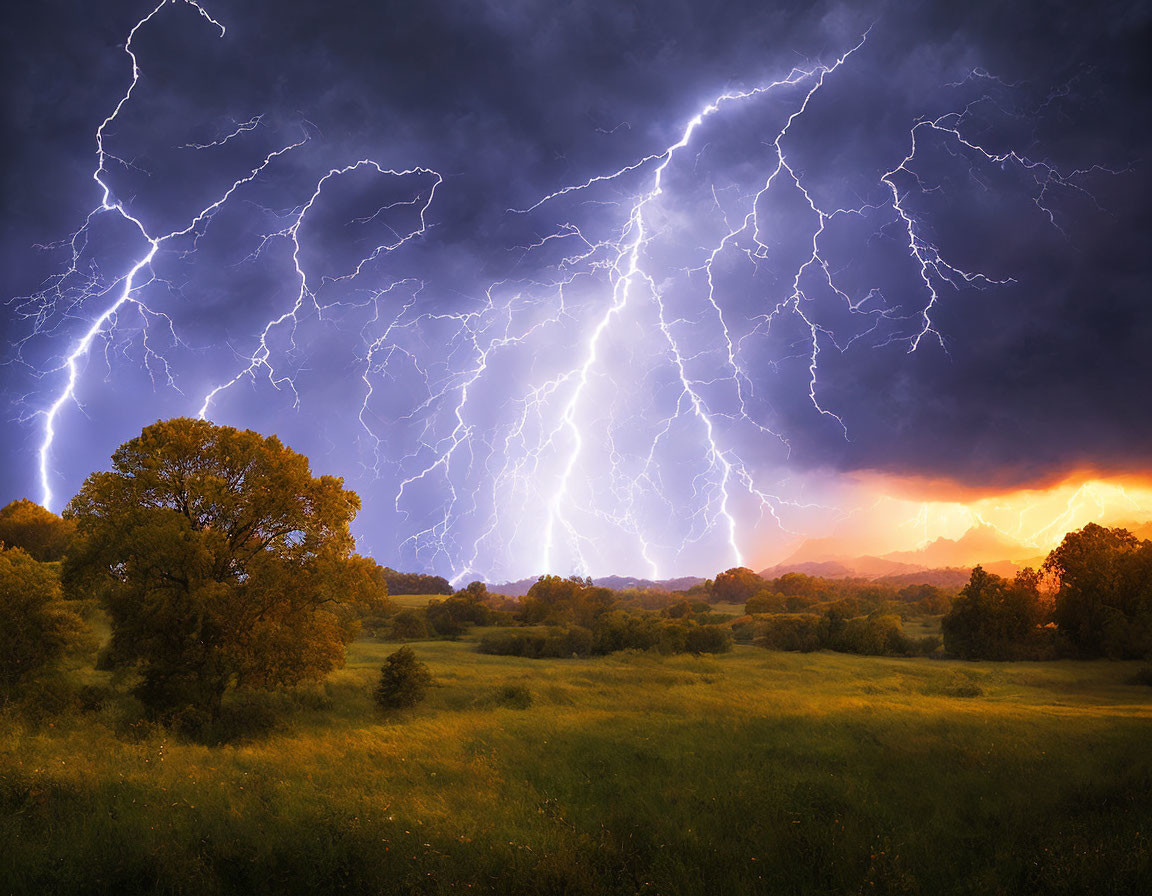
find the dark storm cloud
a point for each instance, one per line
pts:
(510, 100)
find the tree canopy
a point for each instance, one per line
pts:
(1104, 600)
(222, 562)
(25, 524)
(35, 625)
(994, 618)
(736, 585)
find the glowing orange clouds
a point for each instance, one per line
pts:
(899, 516)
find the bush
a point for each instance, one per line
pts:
(708, 639)
(552, 643)
(36, 627)
(443, 621)
(796, 632)
(409, 625)
(930, 645)
(765, 602)
(877, 635)
(404, 681)
(620, 630)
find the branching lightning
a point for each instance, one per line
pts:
(592, 411)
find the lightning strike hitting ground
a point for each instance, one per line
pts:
(605, 407)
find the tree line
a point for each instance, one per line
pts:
(222, 564)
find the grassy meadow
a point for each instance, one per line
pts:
(749, 772)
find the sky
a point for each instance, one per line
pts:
(649, 288)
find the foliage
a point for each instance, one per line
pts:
(879, 634)
(611, 632)
(415, 583)
(36, 627)
(45, 536)
(222, 562)
(798, 632)
(798, 593)
(404, 680)
(1104, 597)
(765, 601)
(993, 618)
(452, 616)
(552, 642)
(736, 585)
(708, 639)
(554, 600)
(410, 624)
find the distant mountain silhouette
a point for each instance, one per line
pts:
(980, 544)
(945, 562)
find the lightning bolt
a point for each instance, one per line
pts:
(125, 289)
(598, 402)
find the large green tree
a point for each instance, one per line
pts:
(222, 561)
(993, 618)
(1104, 602)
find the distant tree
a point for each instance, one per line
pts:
(415, 583)
(993, 618)
(799, 632)
(554, 600)
(35, 625)
(927, 599)
(765, 602)
(708, 639)
(477, 591)
(736, 585)
(223, 563)
(1104, 596)
(45, 536)
(404, 680)
(798, 584)
(452, 616)
(878, 634)
(410, 624)
(686, 609)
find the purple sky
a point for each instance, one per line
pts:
(647, 375)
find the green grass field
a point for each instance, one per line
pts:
(414, 600)
(751, 772)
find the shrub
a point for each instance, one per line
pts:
(404, 680)
(765, 602)
(620, 630)
(877, 635)
(539, 643)
(708, 639)
(409, 625)
(795, 632)
(442, 620)
(744, 630)
(36, 627)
